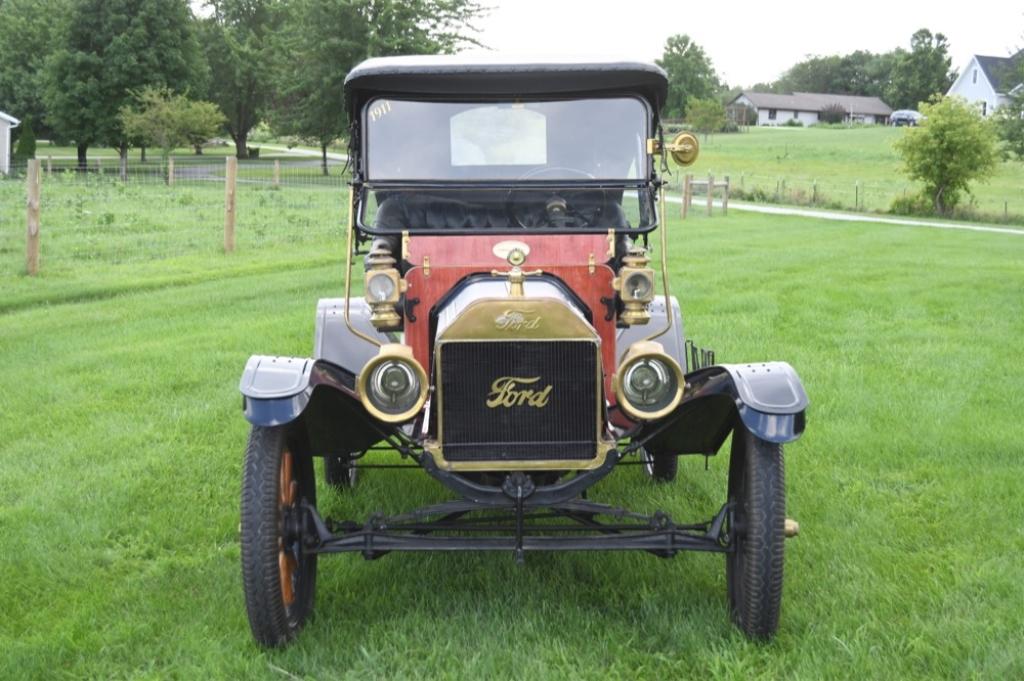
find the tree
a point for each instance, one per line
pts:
(858, 73)
(26, 147)
(1009, 119)
(167, 121)
(30, 30)
(706, 115)
(114, 48)
(321, 40)
(921, 73)
(690, 74)
(953, 147)
(237, 42)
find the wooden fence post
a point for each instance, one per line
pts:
(711, 192)
(814, 192)
(32, 219)
(170, 172)
(856, 194)
(230, 177)
(277, 173)
(49, 165)
(725, 197)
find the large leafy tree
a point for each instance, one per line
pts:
(323, 39)
(113, 48)
(857, 73)
(30, 30)
(953, 147)
(237, 40)
(923, 72)
(690, 74)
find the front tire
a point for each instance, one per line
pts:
(279, 580)
(754, 567)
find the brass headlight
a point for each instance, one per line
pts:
(393, 386)
(649, 383)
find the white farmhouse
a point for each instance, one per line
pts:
(775, 109)
(6, 123)
(989, 81)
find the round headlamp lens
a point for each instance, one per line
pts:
(638, 286)
(649, 384)
(394, 387)
(380, 288)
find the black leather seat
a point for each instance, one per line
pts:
(470, 210)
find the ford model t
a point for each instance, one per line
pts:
(510, 341)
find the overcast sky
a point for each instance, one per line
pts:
(748, 42)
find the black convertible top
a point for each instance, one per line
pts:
(475, 75)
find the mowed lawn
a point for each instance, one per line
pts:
(120, 462)
(849, 164)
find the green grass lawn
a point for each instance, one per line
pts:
(121, 448)
(100, 236)
(837, 159)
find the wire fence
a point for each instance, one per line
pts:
(853, 195)
(106, 215)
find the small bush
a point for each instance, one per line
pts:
(793, 123)
(834, 113)
(730, 127)
(26, 147)
(912, 204)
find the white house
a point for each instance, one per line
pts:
(775, 109)
(989, 81)
(6, 123)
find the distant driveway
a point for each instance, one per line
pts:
(851, 217)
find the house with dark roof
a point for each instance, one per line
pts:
(990, 81)
(806, 107)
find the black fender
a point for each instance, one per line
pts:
(767, 397)
(316, 398)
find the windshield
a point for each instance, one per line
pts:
(580, 139)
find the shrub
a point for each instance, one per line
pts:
(26, 147)
(952, 147)
(834, 113)
(912, 204)
(793, 123)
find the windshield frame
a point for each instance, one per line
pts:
(645, 175)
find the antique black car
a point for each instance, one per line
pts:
(509, 342)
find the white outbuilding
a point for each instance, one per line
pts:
(6, 124)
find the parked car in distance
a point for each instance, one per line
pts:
(905, 117)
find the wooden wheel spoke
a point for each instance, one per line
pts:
(286, 567)
(285, 487)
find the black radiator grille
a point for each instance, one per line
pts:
(562, 422)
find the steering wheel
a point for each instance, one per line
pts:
(530, 208)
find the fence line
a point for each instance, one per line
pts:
(182, 208)
(852, 194)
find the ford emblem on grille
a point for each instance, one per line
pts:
(505, 392)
